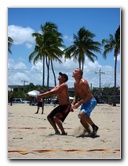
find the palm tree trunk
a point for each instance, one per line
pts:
(43, 77)
(48, 64)
(114, 97)
(79, 64)
(53, 72)
(82, 66)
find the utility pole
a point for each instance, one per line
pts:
(24, 82)
(91, 86)
(99, 72)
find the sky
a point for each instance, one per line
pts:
(22, 22)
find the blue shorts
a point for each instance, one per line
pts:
(88, 106)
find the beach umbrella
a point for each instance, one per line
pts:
(33, 93)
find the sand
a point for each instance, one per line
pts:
(30, 136)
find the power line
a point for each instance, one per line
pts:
(25, 70)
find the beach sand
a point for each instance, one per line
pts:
(30, 136)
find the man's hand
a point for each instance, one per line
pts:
(39, 97)
(71, 108)
(75, 106)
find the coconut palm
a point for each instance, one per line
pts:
(83, 45)
(38, 53)
(113, 44)
(10, 41)
(47, 48)
(55, 42)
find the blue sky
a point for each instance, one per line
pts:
(22, 22)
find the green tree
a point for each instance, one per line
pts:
(48, 48)
(113, 44)
(83, 45)
(10, 41)
(55, 42)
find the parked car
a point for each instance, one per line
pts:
(20, 100)
(54, 101)
(101, 102)
(33, 103)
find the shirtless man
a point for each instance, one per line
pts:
(86, 99)
(58, 115)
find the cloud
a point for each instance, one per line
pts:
(20, 34)
(34, 73)
(69, 38)
(28, 45)
(118, 57)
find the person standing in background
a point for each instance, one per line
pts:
(11, 97)
(40, 103)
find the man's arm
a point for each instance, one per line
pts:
(55, 90)
(75, 96)
(83, 100)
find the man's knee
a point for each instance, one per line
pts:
(82, 115)
(49, 118)
(56, 119)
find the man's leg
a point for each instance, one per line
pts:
(86, 126)
(37, 110)
(51, 121)
(86, 119)
(59, 123)
(42, 109)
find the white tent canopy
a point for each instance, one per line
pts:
(33, 93)
(71, 98)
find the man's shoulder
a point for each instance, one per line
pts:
(64, 84)
(83, 81)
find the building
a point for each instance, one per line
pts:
(16, 88)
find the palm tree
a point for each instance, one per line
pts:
(113, 44)
(10, 41)
(83, 44)
(55, 42)
(47, 47)
(38, 53)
